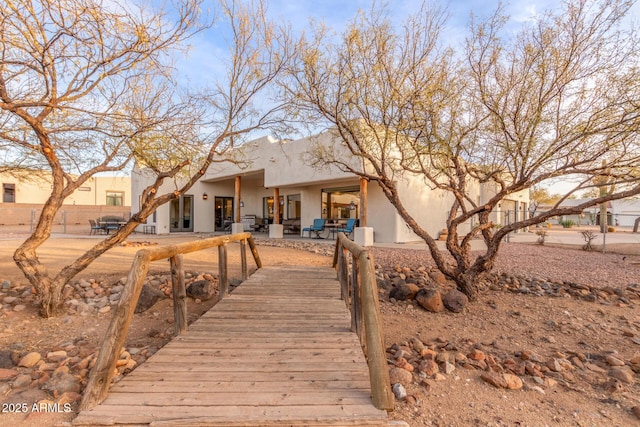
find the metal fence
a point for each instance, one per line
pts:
(71, 219)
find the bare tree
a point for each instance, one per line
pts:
(87, 86)
(508, 112)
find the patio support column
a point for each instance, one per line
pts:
(363, 202)
(238, 195)
(276, 205)
(237, 226)
(363, 235)
(276, 230)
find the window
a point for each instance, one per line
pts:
(115, 198)
(8, 193)
(268, 210)
(340, 203)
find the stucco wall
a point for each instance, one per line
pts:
(36, 189)
(265, 164)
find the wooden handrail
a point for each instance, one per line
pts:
(102, 373)
(360, 292)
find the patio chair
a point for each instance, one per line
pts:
(317, 227)
(348, 229)
(95, 227)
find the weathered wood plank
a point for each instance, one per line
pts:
(262, 353)
(178, 385)
(263, 398)
(245, 376)
(261, 367)
(317, 415)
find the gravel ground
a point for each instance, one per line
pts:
(501, 323)
(543, 262)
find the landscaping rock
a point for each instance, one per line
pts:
(495, 379)
(430, 300)
(7, 374)
(29, 360)
(149, 296)
(438, 277)
(201, 289)
(6, 359)
(513, 381)
(22, 381)
(63, 383)
(56, 356)
(623, 374)
(402, 292)
(429, 367)
(400, 376)
(399, 391)
(455, 301)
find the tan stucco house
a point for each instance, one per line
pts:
(272, 170)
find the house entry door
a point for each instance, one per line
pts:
(181, 214)
(224, 213)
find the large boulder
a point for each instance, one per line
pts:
(404, 291)
(201, 289)
(148, 297)
(455, 300)
(430, 300)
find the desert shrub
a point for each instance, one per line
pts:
(542, 234)
(568, 223)
(588, 237)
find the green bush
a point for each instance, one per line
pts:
(567, 223)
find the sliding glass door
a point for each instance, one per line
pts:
(181, 214)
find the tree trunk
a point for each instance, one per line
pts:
(49, 290)
(469, 277)
(51, 301)
(635, 225)
(469, 283)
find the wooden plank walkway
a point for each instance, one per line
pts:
(278, 351)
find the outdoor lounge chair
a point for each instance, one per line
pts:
(348, 229)
(317, 227)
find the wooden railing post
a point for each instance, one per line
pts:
(335, 254)
(365, 317)
(343, 272)
(102, 373)
(254, 252)
(378, 371)
(243, 259)
(356, 325)
(223, 279)
(179, 293)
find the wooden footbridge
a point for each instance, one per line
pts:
(280, 350)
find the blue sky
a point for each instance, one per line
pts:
(208, 47)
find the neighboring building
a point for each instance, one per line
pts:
(587, 217)
(34, 187)
(621, 213)
(281, 170)
(24, 193)
(625, 211)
